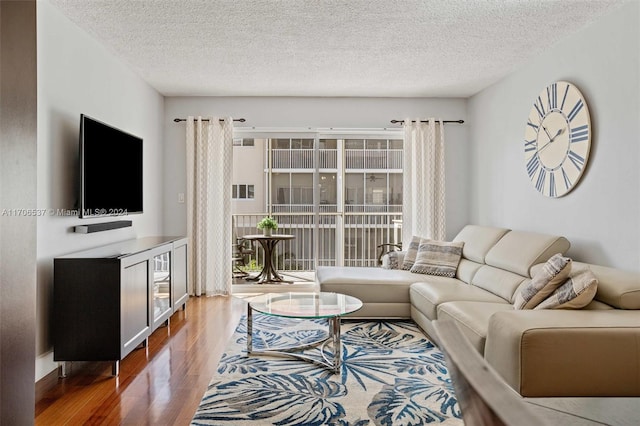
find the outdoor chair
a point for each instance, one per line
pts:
(241, 256)
(385, 248)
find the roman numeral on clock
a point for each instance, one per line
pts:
(564, 98)
(532, 165)
(552, 185)
(579, 134)
(576, 159)
(539, 107)
(567, 181)
(541, 178)
(552, 96)
(529, 145)
(576, 109)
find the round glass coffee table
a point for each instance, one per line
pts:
(305, 306)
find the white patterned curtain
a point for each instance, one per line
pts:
(423, 207)
(209, 174)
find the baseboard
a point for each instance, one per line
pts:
(45, 384)
(45, 365)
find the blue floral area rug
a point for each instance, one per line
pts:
(391, 375)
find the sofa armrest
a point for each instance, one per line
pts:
(385, 259)
(566, 352)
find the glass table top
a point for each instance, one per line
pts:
(305, 305)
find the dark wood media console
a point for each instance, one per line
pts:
(108, 300)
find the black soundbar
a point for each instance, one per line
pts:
(106, 226)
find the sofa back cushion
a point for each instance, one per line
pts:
(518, 251)
(617, 288)
(478, 240)
(497, 281)
(467, 269)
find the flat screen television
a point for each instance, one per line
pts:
(110, 170)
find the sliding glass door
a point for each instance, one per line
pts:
(339, 195)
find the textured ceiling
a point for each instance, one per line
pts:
(429, 48)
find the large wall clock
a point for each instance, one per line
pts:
(557, 139)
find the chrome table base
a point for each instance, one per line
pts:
(333, 339)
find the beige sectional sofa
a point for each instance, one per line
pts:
(594, 351)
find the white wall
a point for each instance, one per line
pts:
(302, 113)
(76, 74)
(601, 216)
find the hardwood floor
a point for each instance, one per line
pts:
(158, 385)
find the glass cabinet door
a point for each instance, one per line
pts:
(161, 284)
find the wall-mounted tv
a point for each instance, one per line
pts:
(110, 170)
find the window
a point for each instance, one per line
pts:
(244, 142)
(243, 192)
(292, 192)
(301, 143)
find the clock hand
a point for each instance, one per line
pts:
(557, 134)
(551, 139)
(547, 132)
(544, 146)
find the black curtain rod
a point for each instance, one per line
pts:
(425, 121)
(241, 120)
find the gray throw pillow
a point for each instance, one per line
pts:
(392, 260)
(410, 255)
(438, 258)
(575, 293)
(552, 274)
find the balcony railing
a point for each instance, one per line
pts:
(348, 239)
(333, 208)
(373, 208)
(373, 159)
(303, 208)
(328, 159)
(303, 159)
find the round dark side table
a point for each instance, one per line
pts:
(269, 274)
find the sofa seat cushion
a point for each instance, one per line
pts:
(426, 297)
(473, 318)
(376, 285)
